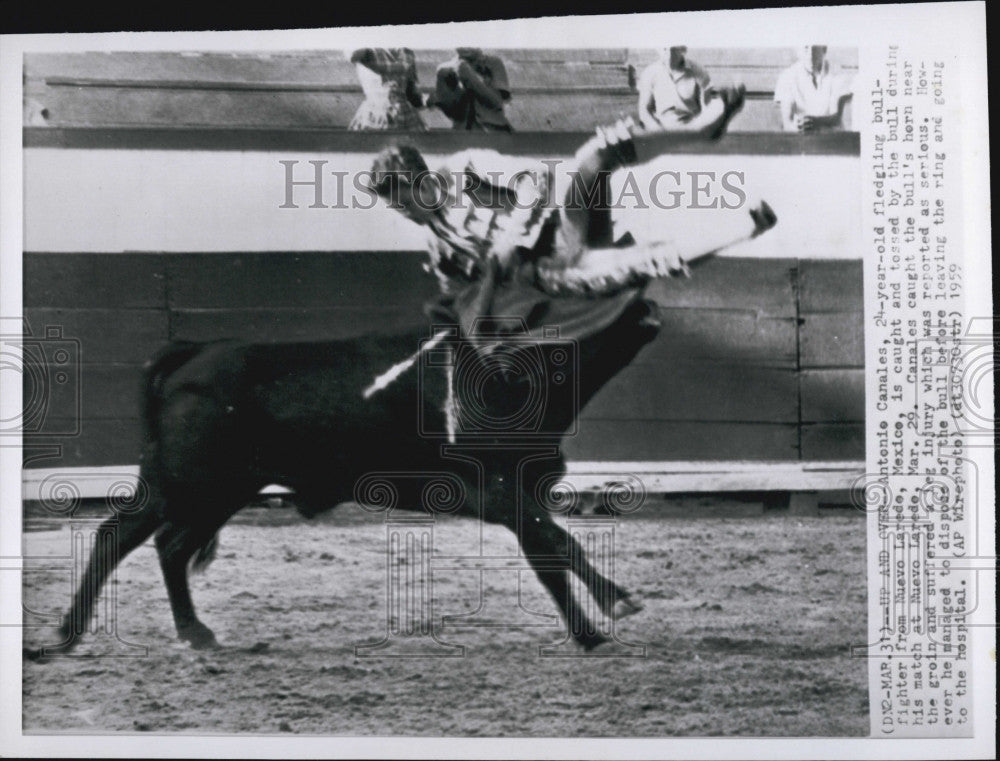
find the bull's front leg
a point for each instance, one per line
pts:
(552, 560)
(547, 547)
(553, 553)
(548, 540)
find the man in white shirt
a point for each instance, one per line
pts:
(810, 96)
(674, 93)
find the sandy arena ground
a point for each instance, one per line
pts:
(747, 627)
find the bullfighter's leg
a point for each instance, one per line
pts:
(583, 191)
(129, 531)
(176, 544)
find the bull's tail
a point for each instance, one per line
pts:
(168, 360)
(205, 555)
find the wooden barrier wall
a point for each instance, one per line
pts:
(758, 359)
(557, 89)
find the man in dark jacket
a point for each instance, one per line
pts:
(471, 90)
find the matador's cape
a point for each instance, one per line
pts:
(582, 299)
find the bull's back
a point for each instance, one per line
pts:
(309, 400)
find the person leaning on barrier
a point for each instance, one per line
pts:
(511, 237)
(675, 93)
(471, 90)
(811, 97)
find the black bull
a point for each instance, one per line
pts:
(225, 419)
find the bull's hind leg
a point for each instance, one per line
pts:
(128, 532)
(176, 544)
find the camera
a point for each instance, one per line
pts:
(506, 381)
(49, 368)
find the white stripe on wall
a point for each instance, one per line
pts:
(87, 200)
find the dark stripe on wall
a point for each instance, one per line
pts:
(442, 141)
(732, 375)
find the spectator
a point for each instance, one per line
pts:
(471, 90)
(809, 95)
(389, 81)
(673, 92)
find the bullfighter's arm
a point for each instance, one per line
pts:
(604, 271)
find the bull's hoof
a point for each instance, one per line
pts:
(625, 607)
(589, 642)
(199, 636)
(43, 654)
(33, 654)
